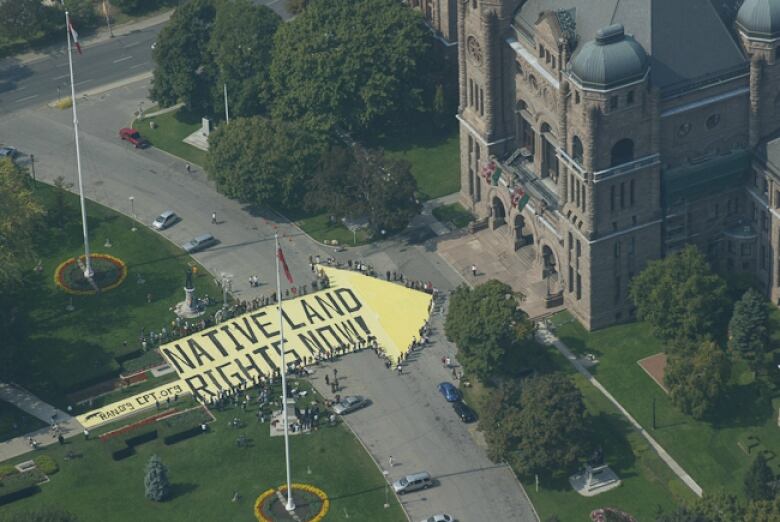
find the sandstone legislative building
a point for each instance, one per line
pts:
(619, 131)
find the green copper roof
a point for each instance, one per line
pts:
(760, 18)
(612, 59)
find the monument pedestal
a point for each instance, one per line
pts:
(188, 309)
(594, 480)
(277, 422)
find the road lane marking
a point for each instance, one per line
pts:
(26, 98)
(138, 65)
(128, 46)
(20, 88)
(61, 77)
(79, 83)
(123, 59)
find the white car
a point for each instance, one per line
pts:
(439, 517)
(165, 220)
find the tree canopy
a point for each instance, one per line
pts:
(482, 322)
(263, 161)
(180, 56)
(157, 486)
(759, 479)
(20, 217)
(240, 55)
(552, 425)
(749, 328)
(681, 297)
(350, 64)
(24, 18)
(697, 380)
(42, 515)
(364, 183)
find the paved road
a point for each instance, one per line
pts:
(25, 85)
(410, 421)
(407, 419)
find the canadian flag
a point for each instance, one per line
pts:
(74, 35)
(286, 269)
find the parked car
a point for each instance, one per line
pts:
(449, 391)
(349, 404)
(465, 413)
(8, 152)
(199, 243)
(165, 220)
(413, 482)
(439, 517)
(134, 137)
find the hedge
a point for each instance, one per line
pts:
(7, 469)
(18, 486)
(46, 465)
(141, 361)
(182, 426)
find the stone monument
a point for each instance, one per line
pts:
(188, 308)
(596, 478)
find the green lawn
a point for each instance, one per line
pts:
(647, 482)
(453, 213)
(434, 156)
(207, 469)
(14, 422)
(171, 129)
(708, 451)
(322, 229)
(67, 350)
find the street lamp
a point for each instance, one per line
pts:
(387, 501)
(132, 212)
(227, 284)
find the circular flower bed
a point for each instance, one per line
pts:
(109, 272)
(311, 504)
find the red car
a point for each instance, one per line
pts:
(134, 137)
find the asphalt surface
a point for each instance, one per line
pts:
(24, 85)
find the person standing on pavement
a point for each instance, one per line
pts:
(474, 270)
(213, 218)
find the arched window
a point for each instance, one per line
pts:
(576, 149)
(622, 152)
(473, 4)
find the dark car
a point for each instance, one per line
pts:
(134, 137)
(8, 152)
(465, 413)
(449, 391)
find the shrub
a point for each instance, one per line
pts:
(18, 486)
(182, 426)
(146, 435)
(46, 465)
(7, 469)
(157, 487)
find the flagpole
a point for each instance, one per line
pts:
(88, 273)
(290, 503)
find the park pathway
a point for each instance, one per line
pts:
(34, 406)
(544, 336)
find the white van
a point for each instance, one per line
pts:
(413, 482)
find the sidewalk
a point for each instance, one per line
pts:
(32, 405)
(548, 338)
(101, 35)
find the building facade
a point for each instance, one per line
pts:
(604, 134)
(440, 15)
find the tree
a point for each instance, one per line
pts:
(43, 515)
(681, 297)
(364, 183)
(759, 480)
(354, 64)
(20, 217)
(156, 484)
(440, 113)
(82, 13)
(749, 328)
(696, 381)
(240, 56)
(481, 321)
(263, 161)
(26, 18)
(181, 59)
(297, 6)
(763, 511)
(499, 412)
(551, 426)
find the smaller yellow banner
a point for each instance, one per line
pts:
(133, 405)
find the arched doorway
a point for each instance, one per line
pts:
(550, 270)
(523, 234)
(499, 213)
(622, 152)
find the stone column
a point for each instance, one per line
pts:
(491, 62)
(756, 70)
(655, 115)
(591, 126)
(563, 135)
(461, 7)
